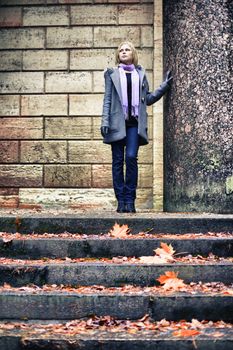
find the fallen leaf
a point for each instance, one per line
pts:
(170, 281)
(217, 334)
(165, 250)
(152, 260)
(7, 239)
(228, 292)
(196, 324)
(163, 255)
(119, 231)
(185, 332)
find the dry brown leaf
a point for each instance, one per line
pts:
(165, 249)
(165, 252)
(119, 231)
(185, 332)
(7, 239)
(168, 274)
(152, 260)
(170, 281)
(163, 255)
(228, 292)
(217, 334)
(196, 324)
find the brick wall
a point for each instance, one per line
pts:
(52, 57)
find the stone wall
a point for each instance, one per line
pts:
(198, 115)
(52, 57)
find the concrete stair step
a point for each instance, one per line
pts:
(62, 305)
(55, 247)
(111, 274)
(208, 339)
(97, 223)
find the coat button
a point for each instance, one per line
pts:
(143, 99)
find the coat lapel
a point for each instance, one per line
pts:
(141, 73)
(116, 81)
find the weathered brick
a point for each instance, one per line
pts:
(150, 127)
(96, 121)
(20, 175)
(9, 191)
(67, 176)
(145, 58)
(69, 2)
(112, 36)
(10, 60)
(45, 60)
(158, 160)
(147, 36)
(136, 14)
(101, 1)
(98, 82)
(44, 105)
(45, 16)
(145, 176)
(69, 37)
(9, 151)
(21, 82)
(145, 154)
(10, 201)
(9, 197)
(86, 104)
(68, 82)
(21, 128)
(93, 14)
(9, 105)
(89, 59)
(127, 1)
(22, 2)
(102, 175)
(10, 17)
(89, 152)
(43, 151)
(144, 198)
(22, 38)
(68, 128)
(78, 198)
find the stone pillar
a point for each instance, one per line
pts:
(198, 109)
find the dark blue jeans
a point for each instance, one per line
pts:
(125, 187)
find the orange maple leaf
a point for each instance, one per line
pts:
(119, 231)
(185, 332)
(165, 252)
(163, 255)
(170, 281)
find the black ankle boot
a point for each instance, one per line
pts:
(130, 208)
(121, 207)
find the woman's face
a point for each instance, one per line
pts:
(125, 54)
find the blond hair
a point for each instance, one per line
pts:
(134, 52)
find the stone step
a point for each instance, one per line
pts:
(96, 223)
(55, 247)
(111, 274)
(68, 305)
(208, 339)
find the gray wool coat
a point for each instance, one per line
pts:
(113, 116)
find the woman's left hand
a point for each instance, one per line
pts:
(169, 77)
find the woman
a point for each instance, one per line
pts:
(124, 120)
